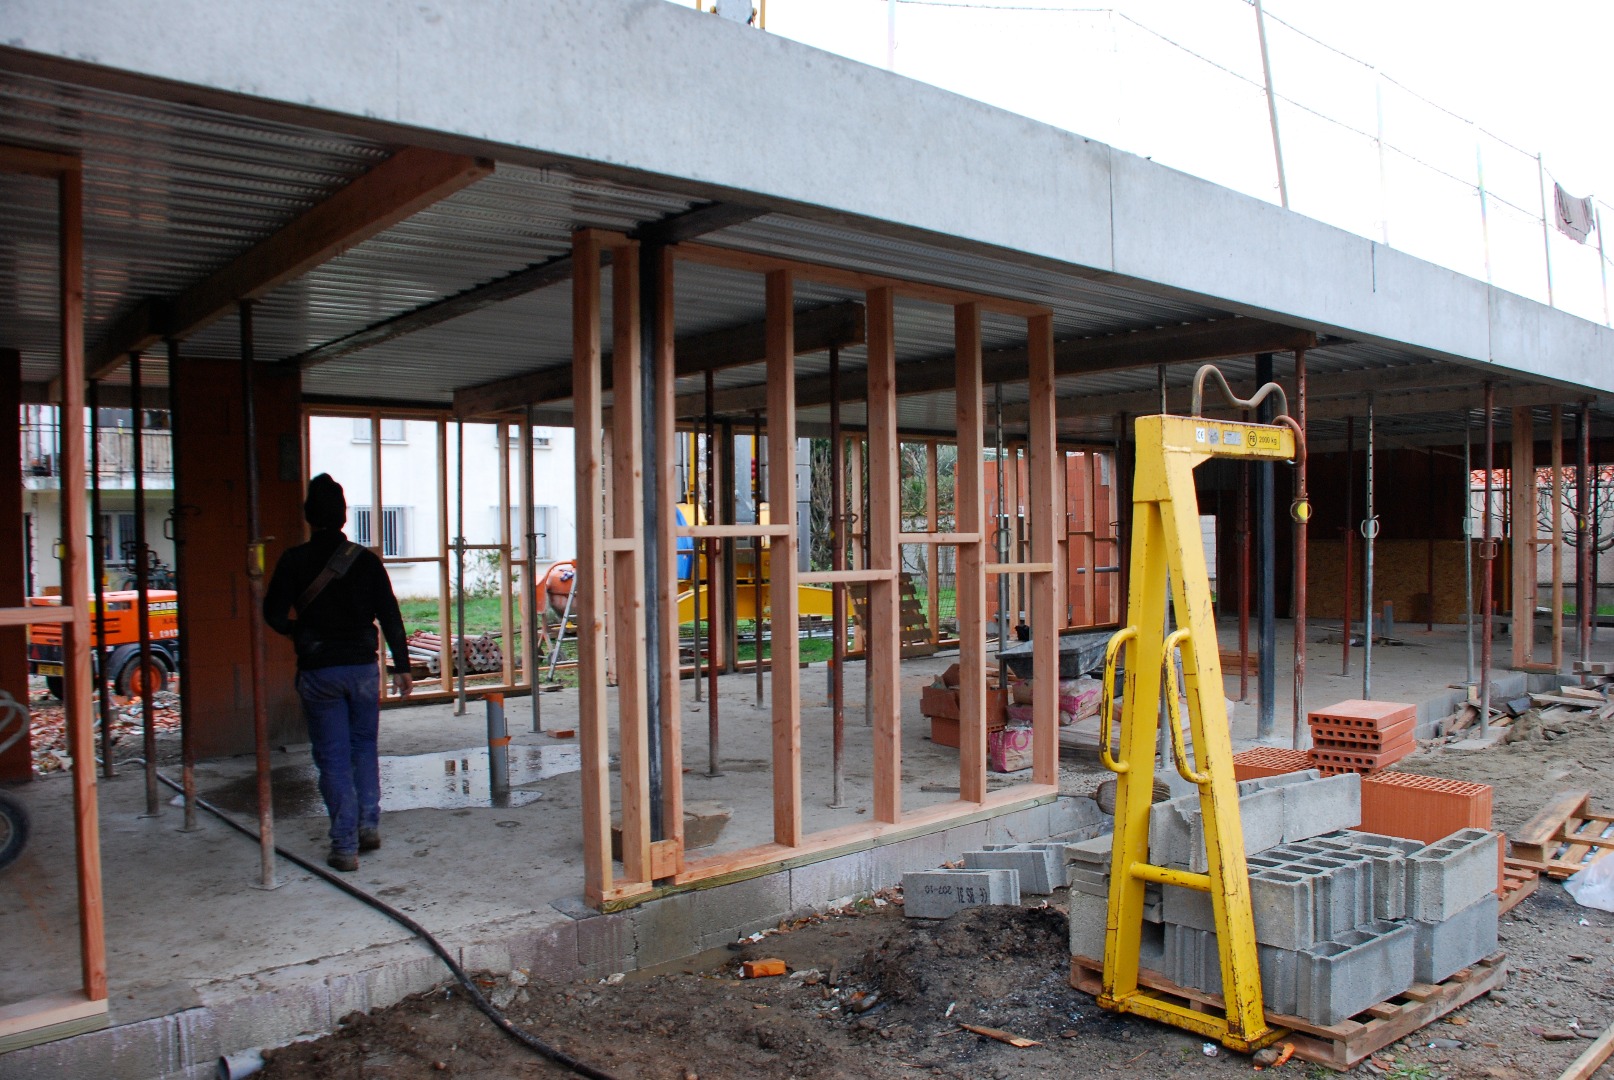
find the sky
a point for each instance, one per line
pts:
(1459, 88)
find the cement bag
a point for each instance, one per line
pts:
(1593, 887)
(1080, 697)
(1008, 750)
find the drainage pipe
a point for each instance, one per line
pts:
(459, 570)
(98, 541)
(472, 991)
(498, 748)
(651, 332)
(756, 550)
(530, 593)
(1267, 544)
(1002, 524)
(187, 745)
(1244, 576)
(255, 572)
(712, 727)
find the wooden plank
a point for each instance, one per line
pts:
(718, 350)
(27, 616)
(945, 539)
(589, 585)
(843, 577)
(1545, 825)
(1592, 1058)
(50, 1017)
(670, 718)
(732, 532)
(969, 508)
(75, 576)
(1344, 1045)
(884, 620)
(829, 843)
(407, 182)
(786, 679)
(627, 567)
(1046, 567)
(1045, 507)
(30, 161)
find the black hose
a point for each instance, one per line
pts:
(500, 1021)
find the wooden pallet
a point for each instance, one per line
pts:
(1565, 836)
(1340, 1046)
(1519, 879)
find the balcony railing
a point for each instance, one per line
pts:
(42, 460)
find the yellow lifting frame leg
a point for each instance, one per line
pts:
(1166, 541)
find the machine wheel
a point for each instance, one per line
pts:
(131, 680)
(54, 684)
(13, 829)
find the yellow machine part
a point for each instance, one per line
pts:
(1166, 547)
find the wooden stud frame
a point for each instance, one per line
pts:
(1527, 543)
(611, 532)
(56, 1015)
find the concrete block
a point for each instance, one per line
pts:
(1284, 903)
(1339, 978)
(833, 881)
(1030, 825)
(1072, 813)
(1177, 835)
(1402, 844)
(1389, 870)
(728, 911)
(1088, 914)
(1091, 883)
(891, 861)
(971, 837)
(1444, 948)
(1277, 780)
(1321, 806)
(1040, 869)
(1193, 958)
(1337, 907)
(1095, 852)
(1451, 874)
(936, 894)
(664, 930)
(605, 941)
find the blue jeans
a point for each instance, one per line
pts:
(343, 709)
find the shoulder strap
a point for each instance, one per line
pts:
(341, 562)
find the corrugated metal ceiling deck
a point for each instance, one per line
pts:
(174, 191)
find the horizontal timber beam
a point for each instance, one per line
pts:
(1077, 356)
(839, 324)
(403, 184)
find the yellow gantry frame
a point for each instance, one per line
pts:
(1166, 541)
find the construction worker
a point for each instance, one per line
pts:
(339, 591)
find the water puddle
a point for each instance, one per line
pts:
(453, 780)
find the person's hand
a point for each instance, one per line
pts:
(403, 683)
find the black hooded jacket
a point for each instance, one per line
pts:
(339, 626)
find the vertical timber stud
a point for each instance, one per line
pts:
(589, 587)
(1585, 598)
(76, 634)
(969, 502)
(1044, 506)
(884, 638)
(627, 567)
(665, 385)
(781, 345)
(1557, 542)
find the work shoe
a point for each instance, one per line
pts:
(369, 839)
(345, 861)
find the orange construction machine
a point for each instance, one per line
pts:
(122, 639)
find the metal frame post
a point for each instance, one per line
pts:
(1266, 565)
(255, 576)
(1487, 557)
(98, 561)
(1370, 532)
(143, 587)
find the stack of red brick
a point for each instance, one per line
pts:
(1361, 736)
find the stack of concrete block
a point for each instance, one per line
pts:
(937, 894)
(1039, 868)
(1343, 919)
(1359, 736)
